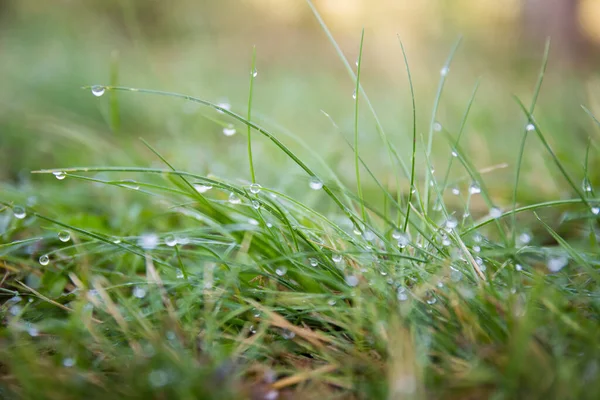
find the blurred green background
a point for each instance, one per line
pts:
(49, 49)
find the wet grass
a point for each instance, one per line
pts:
(158, 282)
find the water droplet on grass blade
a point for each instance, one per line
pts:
(281, 271)
(313, 262)
(229, 130)
(524, 238)
(455, 190)
(130, 184)
(451, 222)
(19, 212)
(586, 185)
(254, 73)
(474, 188)
(530, 127)
(68, 362)
(179, 274)
(64, 236)
(148, 241)
(202, 187)
(454, 153)
(255, 204)
(351, 280)
(495, 212)
(354, 95)
(315, 183)
(98, 90)
(139, 292)
(255, 188)
(595, 210)
(225, 106)
(60, 175)
(557, 263)
(44, 260)
(234, 198)
(170, 240)
(287, 334)
(337, 258)
(437, 127)
(518, 267)
(158, 378)
(444, 71)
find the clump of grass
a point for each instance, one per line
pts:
(221, 289)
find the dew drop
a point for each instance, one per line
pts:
(255, 188)
(524, 238)
(354, 95)
(455, 274)
(287, 334)
(64, 236)
(179, 274)
(44, 260)
(555, 264)
(595, 210)
(229, 130)
(130, 183)
(437, 127)
(60, 175)
(586, 185)
(446, 241)
(182, 240)
(225, 106)
(474, 188)
(271, 395)
(19, 212)
(158, 378)
(402, 240)
(315, 183)
(332, 302)
(313, 262)
(139, 292)
(148, 241)
(202, 187)
(454, 153)
(476, 248)
(455, 191)
(255, 204)
(254, 73)
(15, 310)
(116, 240)
(170, 240)
(351, 280)
(495, 212)
(431, 300)
(234, 199)
(337, 258)
(32, 331)
(369, 236)
(518, 267)
(401, 293)
(444, 71)
(530, 127)
(451, 223)
(281, 271)
(98, 90)
(68, 362)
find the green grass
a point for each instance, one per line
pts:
(159, 282)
